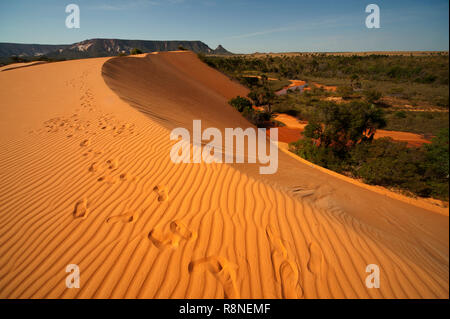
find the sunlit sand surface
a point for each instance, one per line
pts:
(86, 179)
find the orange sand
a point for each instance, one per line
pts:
(295, 83)
(325, 87)
(20, 65)
(411, 138)
(87, 180)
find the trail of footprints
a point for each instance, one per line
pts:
(177, 232)
(78, 126)
(223, 270)
(285, 269)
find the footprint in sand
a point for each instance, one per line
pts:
(316, 262)
(177, 232)
(128, 217)
(285, 269)
(108, 179)
(112, 163)
(94, 167)
(86, 142)
(81, 209)
(163, 193)
(302, 191)
(124, 176)
(222, 269)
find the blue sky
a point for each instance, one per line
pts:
(241, 26)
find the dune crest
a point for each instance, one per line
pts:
(149, 228)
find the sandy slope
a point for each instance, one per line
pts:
(20, 65)
(87, 180)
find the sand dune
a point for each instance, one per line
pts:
(87, 180)
(20, 65)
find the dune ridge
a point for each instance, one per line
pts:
(87, 180)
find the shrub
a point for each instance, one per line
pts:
(387, 163)
(345, 91)
(240, 103)
(372, 96)
(422, 171)
(317, 154)
(400, 114)
(341, 126)
(135, 51)
(436, 163)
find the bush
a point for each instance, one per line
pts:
(372, 96)
(387, 163)
(244, 106)
(436, 164)
(345, 91)
(240, 103)
(259, 119)
(317, 154)
(422, 171)
(400, 114)
(135, 51)
(341, 126)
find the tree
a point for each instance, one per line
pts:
(263, 96)
(341, 126)
(240, 103)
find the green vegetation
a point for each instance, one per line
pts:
(417, 79)
(18, 59)
(240, 103)
(244, 106)
(421, 171)
(426, 123)
(372, 96)
(342, 126)
(418, 69)
(340, 138)
(373, 92)
(135, 51)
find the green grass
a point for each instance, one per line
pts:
(428, 123)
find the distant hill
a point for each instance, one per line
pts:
(102, 48)
(28, 50)
(221, 50)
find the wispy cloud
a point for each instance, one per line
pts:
(264, 32)
(305, 25)
(124, 5)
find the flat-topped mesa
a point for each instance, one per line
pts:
(92, 48)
